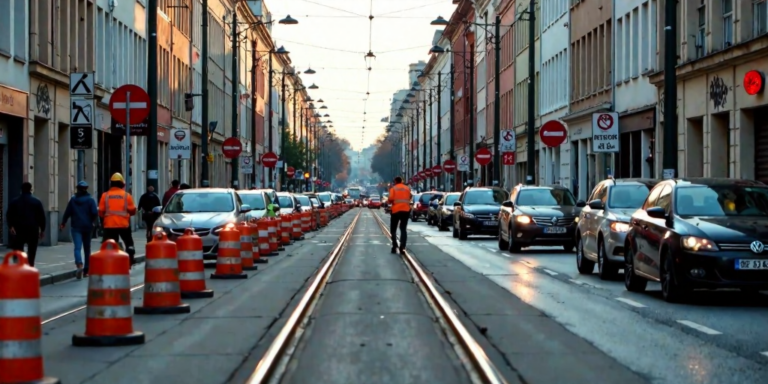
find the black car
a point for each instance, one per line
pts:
(539, 215)
(699, 233)
(420, 206)
(444, 218)
(477, 211)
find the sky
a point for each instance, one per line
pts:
(333, 37)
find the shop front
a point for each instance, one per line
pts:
(521, 158)
(13, 130)
(636, 143)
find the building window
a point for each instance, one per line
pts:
(761, 17)
(727, 23)
(620, 48)
(701, 46)
(635, 43)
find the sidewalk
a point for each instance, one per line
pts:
(57, 263)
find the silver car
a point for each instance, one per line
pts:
(207, 210)
(257, 200)
(604, 223)
(288, 203)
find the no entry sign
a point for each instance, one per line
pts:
(553, 133)
(449, 166)
(290, 172)
(436, 170)
(232, 147)
(428, 172)
(129, 97)
(269, 159)
(483, 156)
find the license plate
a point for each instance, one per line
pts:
(752, 264)
(491, 222)
(554, 230)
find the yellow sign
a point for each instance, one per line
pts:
(210, 157)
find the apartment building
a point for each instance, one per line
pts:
(507, 10)
(484, 60)
(14, 103)
(462, 46)
(722, 110)
(553, 103)
(591, 91)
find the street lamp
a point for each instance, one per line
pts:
(313, 86)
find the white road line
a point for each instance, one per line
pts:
(630, 302)
(553, 273)
(699, 327)
(526, 262)
(764, 353)
(576, 282)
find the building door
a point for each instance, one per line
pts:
(761, 144)
(109, 159)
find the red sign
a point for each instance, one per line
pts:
(427, 172)
(508, 158)
(553, 133)
(119, 105)
(449, 166)
(605, 122)
(754, 82)
(483, 156)
(290, 172)
(269, 159)
(232, 147)
(436, 170)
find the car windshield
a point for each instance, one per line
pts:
(425, 198)
(486, 196)
(628, 196)
(200, 202)
(324, 197)
(285, 201)
(303, 200)
(314, 201)
(255, 200)
(450, 199)
(546, 197)
(721, 200)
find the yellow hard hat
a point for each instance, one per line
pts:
(117, 177)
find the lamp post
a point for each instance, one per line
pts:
(669, 156)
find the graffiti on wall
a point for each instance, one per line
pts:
(718, 92)
(43, 100)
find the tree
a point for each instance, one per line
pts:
(295, 154)
(333, 159)
(385, 162)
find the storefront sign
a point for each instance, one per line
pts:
(181, 144)
(605, 132)
(754, 82)
(136, 129)
(13, 102)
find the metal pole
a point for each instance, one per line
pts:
(254, 60)
(452, 126)
(431, 137)
(271, 137)
(204, 129)
(235, 164)
(531, 133)
(497, 104)
(152, 163)
(669, 154)
(282, 133)
(471, 98)
(80, 164)
(439, 133)
(294, 116)
(128, 142)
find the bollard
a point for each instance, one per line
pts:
(274, 242)
(285, 230)
(256, 252)
(296, 225)
(228, 263)
(191, 267)
(305, 219)
(246, 247)
(162, 289)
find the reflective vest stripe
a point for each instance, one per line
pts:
(124, 211)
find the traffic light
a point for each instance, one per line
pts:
(189, 102)
(306, 175)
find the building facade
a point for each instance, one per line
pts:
(507, 10)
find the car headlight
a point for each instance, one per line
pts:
(523, 219)
(693, 243)
(618, 226)
(467, 215)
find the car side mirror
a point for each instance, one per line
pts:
(245, 208)
(457, 204)
(581, 204)
(596, 204)
(157, 209)
(656, 212)
(508, 204)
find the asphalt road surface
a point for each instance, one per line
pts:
(717, 337)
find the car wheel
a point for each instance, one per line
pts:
(503, 245)
(513, 246)
(606, 271)
(569, 247)
(462, 234)
(584, 265)
(455, 232)
(632, 282)
(670, 289)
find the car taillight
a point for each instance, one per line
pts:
(418, 205)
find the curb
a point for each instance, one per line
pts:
(53, 278)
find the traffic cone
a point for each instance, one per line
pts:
(162, 288)
(191, 267)
(304, 222)
(285, 230)
(323, 217)
(246, 247)
(296, 234)
(228, 263)
(262, 226)
(256, 253)
(21, 357)
(274, 243)
(279, 233)
(108, 319)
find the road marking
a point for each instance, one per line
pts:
(552, 273)
(699, 327)
(528, 263)
(576, 282)
(630, 302)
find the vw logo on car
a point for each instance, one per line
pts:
(757, 247)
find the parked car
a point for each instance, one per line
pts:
(538, 215)
(476, 212)
(207, 211)
(699, 233)
(288, 203)
(434, 201)
(349, 201)
(374, 203)
(325, 198)
(445, 210)
(257, 200)
(305, 205)
(420, 206)
(603, 224)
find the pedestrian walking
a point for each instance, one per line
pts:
(116, 208)
(171, 191)
(26, 222)
(400, 200)
(147, 203)
(83, 211)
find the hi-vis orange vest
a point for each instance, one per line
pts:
(116, 208)
(400, 198)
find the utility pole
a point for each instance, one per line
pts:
(282, 131)
(254, 60)
(152, 92)
(471, 99)
(204, 128)
(426, 140)
(269, 112)
(669, 155)
(431, 135)
(452, 127)
(439, 133)
(235, 163)
(497, 103)
(531, 133)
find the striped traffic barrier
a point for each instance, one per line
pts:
(296, 234)
(263, 228)
(274, 241)
(285, 230)
(191, 267)
(228, 263)
(246, 247)
(162, 289)
(256, 252)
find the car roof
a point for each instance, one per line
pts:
(207, 190)
(552, 186)
(251, 192)
(284, 193)
(483, 189)
(712, 181)
(635, 181)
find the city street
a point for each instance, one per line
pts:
(714, 338)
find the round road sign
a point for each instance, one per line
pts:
(553, 133)
(290, 172)
(605, 121)
(449, 166)
(428, 172)
(138, 104)
(436, 170)
(269, 159)
(483, 156)
(232, 147)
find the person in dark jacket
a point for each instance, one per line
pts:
(184, 186)
(26, 222)
(83, 212)
(147, 203)
(170, 192)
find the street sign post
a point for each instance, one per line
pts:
(553, 133)
(80, 138)
(181, 144)
(81, 84)
(508, 158)
(508, 141)
(437, 170)
(269, 159)
(81, 116)
(246, 165)
(232, 147)
(449, 166)
(81, 113)
(605, 132)
(463, 163)
(483, 156)
(290, 172)
(427, 172)
(129, 104)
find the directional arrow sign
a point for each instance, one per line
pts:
(80, 137)
(81, 113)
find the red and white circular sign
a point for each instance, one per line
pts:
(605, 121)
(553, 133)
(269, 159)
(232, 147)
(119, 104)
(290, 172)
(449, 166)
(436, 170)
(428, 172)
(483, 156)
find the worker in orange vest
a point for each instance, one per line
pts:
(115, 209)
(400, 201)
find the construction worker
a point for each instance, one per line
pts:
(400, 201)
(116, 208)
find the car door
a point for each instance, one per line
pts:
(640, 232)
(657, 228)
(590, 217)
(506, 215)
(457, 210)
